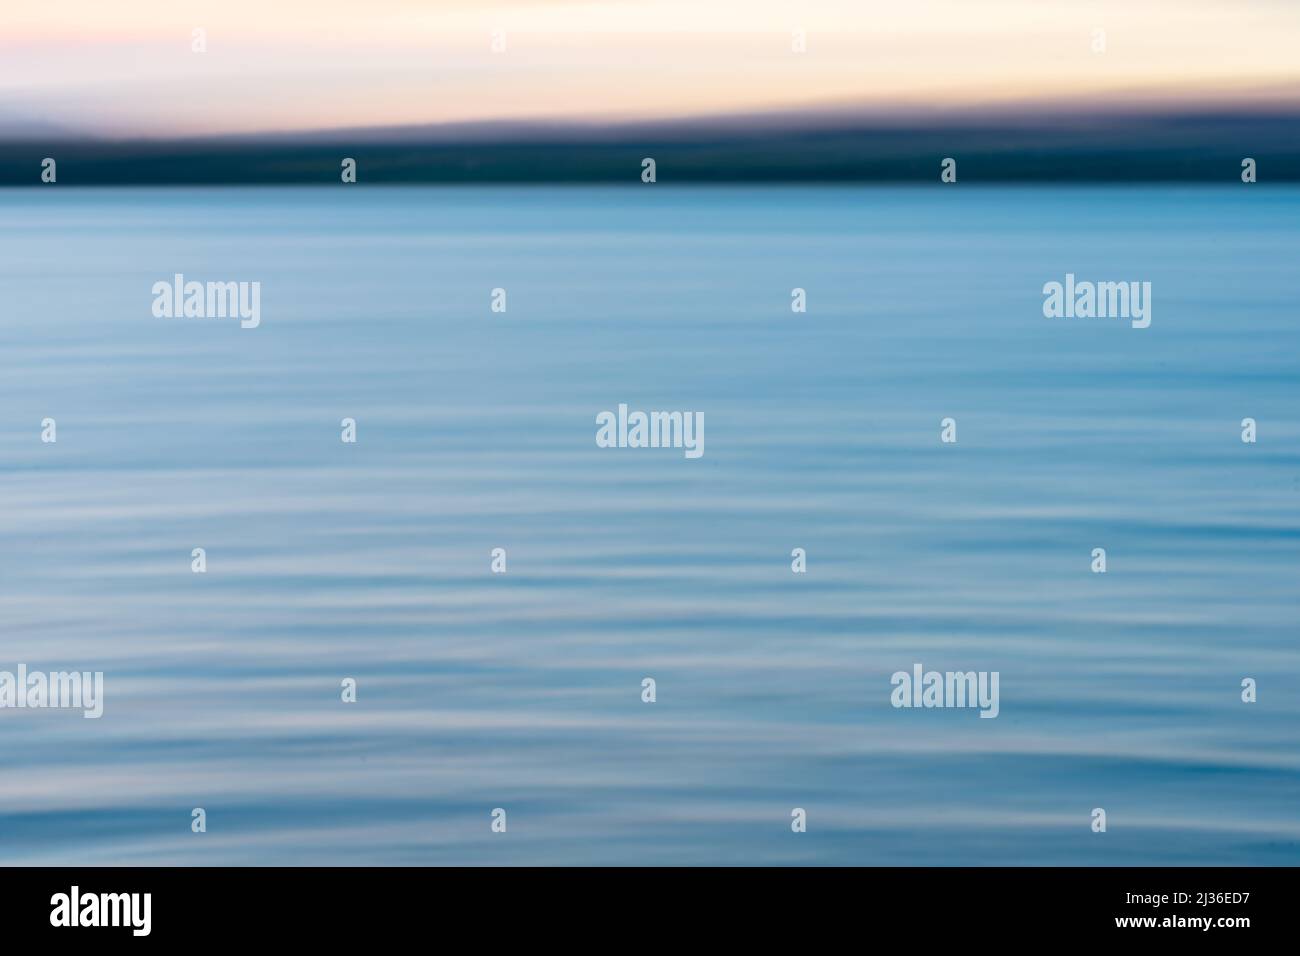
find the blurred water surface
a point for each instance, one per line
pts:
(476, 431)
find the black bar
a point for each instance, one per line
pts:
(467, 907)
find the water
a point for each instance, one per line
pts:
(476, 431)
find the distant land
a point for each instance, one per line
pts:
(810, 147)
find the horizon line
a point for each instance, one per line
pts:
(1274, 102)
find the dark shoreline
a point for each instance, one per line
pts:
(1137, 149)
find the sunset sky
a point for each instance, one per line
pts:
(123, 69)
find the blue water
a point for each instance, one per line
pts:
(477, 430)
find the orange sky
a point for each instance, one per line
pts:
(126, 67)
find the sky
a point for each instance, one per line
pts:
(128, 68)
